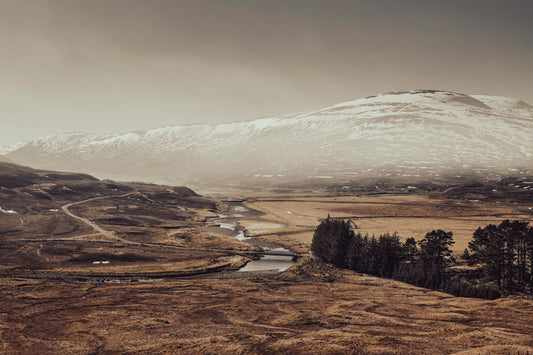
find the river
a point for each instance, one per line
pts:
(229, 224)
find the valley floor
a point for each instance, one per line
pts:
(310, 308)
(291, 219)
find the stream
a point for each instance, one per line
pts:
(229, 224)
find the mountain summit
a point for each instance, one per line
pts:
(418, 134)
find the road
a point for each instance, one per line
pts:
(109, 234)
(114, 238)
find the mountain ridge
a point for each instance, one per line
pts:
(428, 132)
(4, 159)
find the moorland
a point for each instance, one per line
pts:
(95, 266)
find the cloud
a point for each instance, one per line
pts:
(133, 64)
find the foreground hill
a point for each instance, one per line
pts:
(413, 135)
(311, 309)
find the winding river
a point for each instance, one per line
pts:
(229, 224)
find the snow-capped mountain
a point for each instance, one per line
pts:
(419, 134)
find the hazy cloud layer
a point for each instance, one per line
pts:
(118, 65)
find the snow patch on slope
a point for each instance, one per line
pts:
(11, 147)
(6, 211)
(408, 133)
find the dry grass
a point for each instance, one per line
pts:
(409, 215)
(311, 309)
(160, 231)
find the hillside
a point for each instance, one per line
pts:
(37, 190)
(411, 135)
(59, 224)
(309, 309)
(4, 159)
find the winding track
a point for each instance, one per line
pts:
(96, 227)
(112, 237)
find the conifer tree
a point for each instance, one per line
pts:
(331, 239)
(505, 254)
(435, 248)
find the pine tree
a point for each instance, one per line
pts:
(355, 253)
(504, 253)
(322, 244)
(410, 250)
(487, 248)
(529, 256)
(435, 248)
(331, 239)
(390, 253)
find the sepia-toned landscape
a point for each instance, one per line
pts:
(266, 177)
(154, 273)
(411, 215)
(309, 309)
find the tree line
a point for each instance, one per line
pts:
(503, 256)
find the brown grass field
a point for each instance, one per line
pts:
(293, 218)
(310, 309)
(163, 287)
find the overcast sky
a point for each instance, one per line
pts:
(122, 65)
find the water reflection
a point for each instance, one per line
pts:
(269, 262)
(229, 225)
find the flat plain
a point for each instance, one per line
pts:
(291, 219)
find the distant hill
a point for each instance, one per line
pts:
(13, 175)
(409, 135)
(30, 189)
(4, 159)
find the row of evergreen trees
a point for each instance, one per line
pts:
(421, 263)
(334, 241)
(505, 254)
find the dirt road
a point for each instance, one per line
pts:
(109, 234)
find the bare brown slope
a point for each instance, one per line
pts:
(310, 310)
(56, 224)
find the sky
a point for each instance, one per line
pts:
(107, 66)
